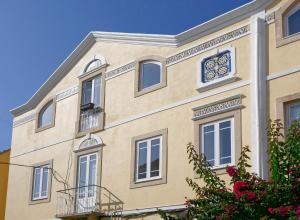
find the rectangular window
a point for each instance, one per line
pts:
(293, 112)
(217, 142)
(148, 160)
(40, 182)
(91, 91)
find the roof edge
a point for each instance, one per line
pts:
(180, 39)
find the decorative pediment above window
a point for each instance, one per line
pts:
(94, 63)
(88, 141)
(216, 68)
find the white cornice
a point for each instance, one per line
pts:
(190, 35)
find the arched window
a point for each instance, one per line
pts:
(92, 65)
(46, 115)
(292, 21)
(150, 74)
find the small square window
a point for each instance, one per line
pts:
(293, 112)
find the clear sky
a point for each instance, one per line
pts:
(37, 35)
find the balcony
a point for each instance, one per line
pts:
(87, 200)
(89, 119)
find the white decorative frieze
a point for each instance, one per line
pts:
(228, 104)
(120, 70)
(24, 120)
(270, 17)
(67, 93)
(211, 43)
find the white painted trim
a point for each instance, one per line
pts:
(90, 59)
(146, 210)
(258, 95)
(287, 72)
(231, 74)
(167, 107)
(182, 102)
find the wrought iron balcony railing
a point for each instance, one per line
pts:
(85, 200)
(89, 119)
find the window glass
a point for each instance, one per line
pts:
(294, 22)
(225, 142)
(209, 143)
(217, 142)
(155, 149)
(37, 181)
(150, 74)
(87, 92)
(149, 158)
(142, 160)
(46, 115)
(97, 82)
(40, 182)
(294, 113)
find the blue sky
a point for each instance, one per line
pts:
(37, 35)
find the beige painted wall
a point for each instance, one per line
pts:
(57, 143)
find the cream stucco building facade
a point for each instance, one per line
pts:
(105, 136)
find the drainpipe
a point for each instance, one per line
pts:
(259, 95)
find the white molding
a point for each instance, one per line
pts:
(185, 37)
(287, 72)
(204, 95)
(155, 209)
(258, 95)
(67, 93)
(24, 120)
(91, 58)
(230, 87)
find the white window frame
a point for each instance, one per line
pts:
(231, 74)
(39, 197)
(286, 20)
(142, 71)
(93, 88)
(148, 171)
(288, 108)
(217, 142)
(88, 156)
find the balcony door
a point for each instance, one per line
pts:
(87, 180)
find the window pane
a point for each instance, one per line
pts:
(294, 23)
(37, 180)
(225, 142)
(92, 175)
(97, 84)
(87, 92)
(209, 143)
(294, 112)
(45, 117)
(142, 160)
(155, 157)
(45, 182)
(150, 75)
(82, 170)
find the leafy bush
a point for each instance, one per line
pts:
(249, 196)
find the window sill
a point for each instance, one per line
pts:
(148, 182)
(216, 84)
(150, 89)
(39, 201)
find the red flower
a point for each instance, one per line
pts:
(218, 217)
(297, 212)
(271, 210)
(238, 185)
(232, 171)
(283, 210)
(248, 194)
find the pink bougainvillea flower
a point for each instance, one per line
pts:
(283, 210)
(297, 212)
(232, 171)
(238, 185)
(271, 210)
